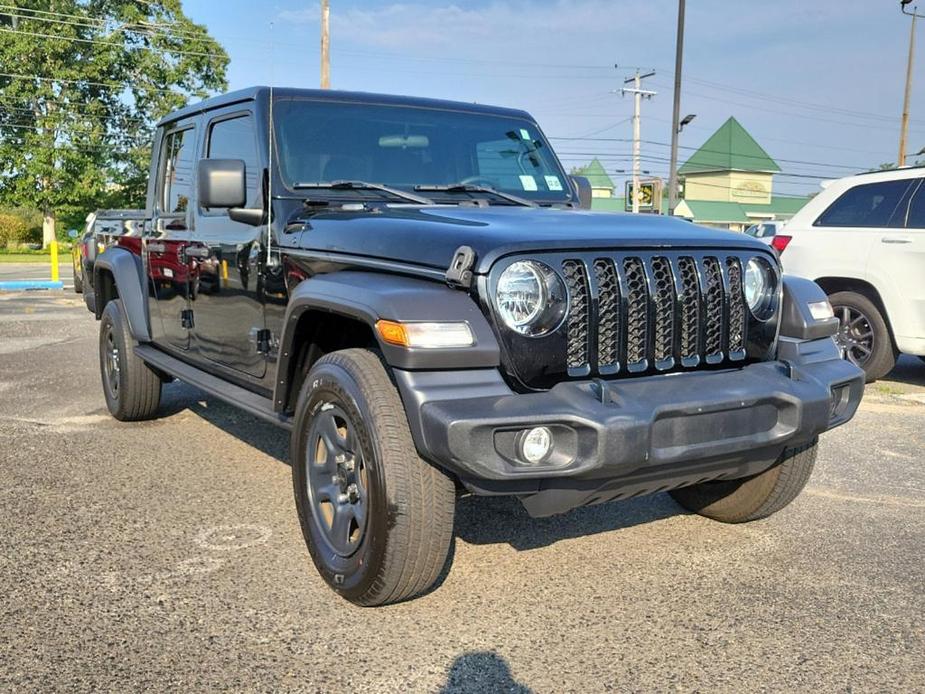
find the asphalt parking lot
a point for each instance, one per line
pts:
(167, 555)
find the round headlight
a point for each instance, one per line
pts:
(531, 298)
(759, 287)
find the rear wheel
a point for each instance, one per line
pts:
(863, 334)
(377, 518)
(78, 277)
(751, 498)
(132, 390)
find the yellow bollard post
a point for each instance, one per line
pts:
(54, 260)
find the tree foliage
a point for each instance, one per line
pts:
(82, 83)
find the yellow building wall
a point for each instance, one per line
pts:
(729, 186)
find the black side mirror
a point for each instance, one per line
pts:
(583, 188)
(221, 183)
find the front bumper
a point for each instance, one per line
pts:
(627, 437)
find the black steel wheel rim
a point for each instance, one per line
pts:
(111, 365)
(337, 480)
(855, 335)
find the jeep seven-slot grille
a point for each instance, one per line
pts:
(654, 311)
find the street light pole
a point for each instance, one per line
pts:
(325, 45)
(676, 113)
(904, 125)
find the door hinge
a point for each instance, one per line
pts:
(264, 341)
(459, 273)
(186, 318)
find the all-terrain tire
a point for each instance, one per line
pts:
(131, 388)
(883, 355)
(408, 528)
(751, 498)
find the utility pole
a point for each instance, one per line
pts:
(638, 93)
(904, 126)
(325, 45)
(676, 113)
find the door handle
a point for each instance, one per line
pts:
(895, 239)
(156, 248)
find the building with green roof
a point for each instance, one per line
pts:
(602, 186)
(728, 182)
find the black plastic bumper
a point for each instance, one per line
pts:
(623, 438)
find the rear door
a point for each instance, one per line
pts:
(227, 307)
(897, 265)
(167, 236)
(844, 235)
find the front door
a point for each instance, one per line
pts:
(227, 257)
(167, 236)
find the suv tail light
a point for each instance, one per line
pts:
(780, 242)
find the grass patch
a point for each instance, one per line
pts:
(63, 258)
(889, 389)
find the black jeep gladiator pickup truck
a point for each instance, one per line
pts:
(413, 290)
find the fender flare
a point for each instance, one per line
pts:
(368, 297)
(128, 276)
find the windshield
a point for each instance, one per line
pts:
(404, 147)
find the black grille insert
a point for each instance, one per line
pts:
(633, 313)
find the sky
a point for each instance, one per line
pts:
(818, 83)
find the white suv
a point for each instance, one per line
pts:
(863, 240)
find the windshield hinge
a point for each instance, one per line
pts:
(459, 274)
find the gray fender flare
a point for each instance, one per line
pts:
(368, 297)
(128, 276)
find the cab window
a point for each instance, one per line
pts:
(235, 138)
(177, 170)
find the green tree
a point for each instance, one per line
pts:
(82, 83)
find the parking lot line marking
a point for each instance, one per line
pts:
(881, 500)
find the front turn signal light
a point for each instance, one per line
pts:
(426, 335)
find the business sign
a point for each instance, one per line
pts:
(649, 196)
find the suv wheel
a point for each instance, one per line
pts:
(863, 334)
(131, 388)
(751, 498)
(377, 518)
(78, 277)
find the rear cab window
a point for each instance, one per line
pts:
(176, 172)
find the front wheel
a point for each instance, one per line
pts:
(377, 518)
(863, 334)
(751, 498)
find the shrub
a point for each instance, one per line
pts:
(19, 227)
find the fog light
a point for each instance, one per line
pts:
(535, 445)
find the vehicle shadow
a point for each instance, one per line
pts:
(265, 437)
(503, 520)
(481, 671)
(909, 370)
(479, 520)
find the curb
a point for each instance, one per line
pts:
(20, 285)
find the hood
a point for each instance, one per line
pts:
(429, 235)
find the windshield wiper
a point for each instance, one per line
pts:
(471, 188)
(363, 185)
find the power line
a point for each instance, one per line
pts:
(105, 43)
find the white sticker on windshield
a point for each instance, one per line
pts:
(553, 183)
(524, 135)
(528, 182)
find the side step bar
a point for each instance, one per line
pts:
(223, 390)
